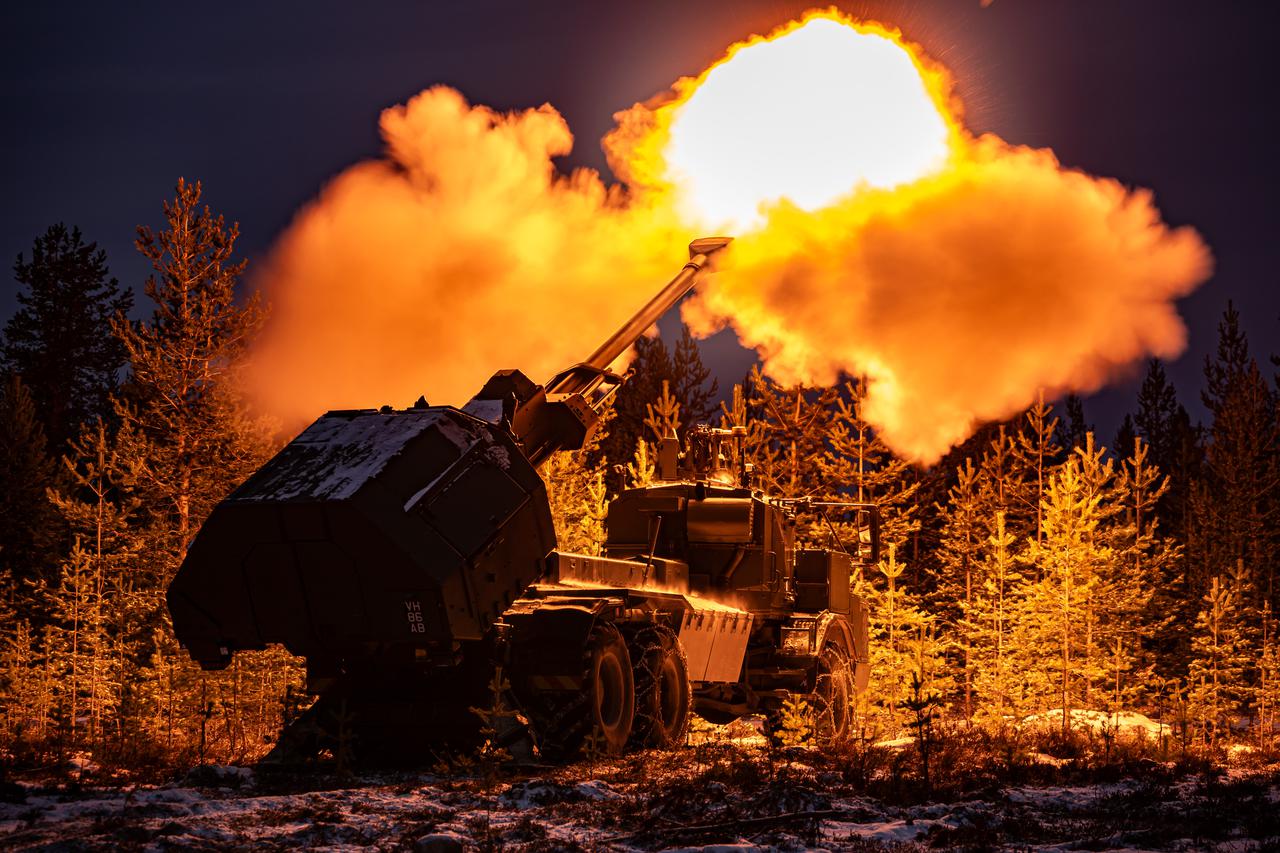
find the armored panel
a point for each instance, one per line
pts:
(822, 581)
(369, 528)
(638, 572)
(630, 516)
(720, 520)
(481, 486)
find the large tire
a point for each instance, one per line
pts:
(664, 698)
(832, 698)
(829, 707)
(603, 710)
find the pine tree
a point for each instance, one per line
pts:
(1076, 427)
(1240, 497)
(1266, 696)
(662, 419)
(642, 469)
(653, 365)
(992, 626)
(100, 597)
(577, 489)
(28, 686)
(81, 647)
(788, 431)
(187, 434)
(1156, 420)
(739, 412)
(1126, 437)
(857, 465)
(192, 436)
(1146, 574)
(29, 531)
(650, 367)
(1059, 609)
(959, 556)
(1179, 514)
(692, 384)
(60, 339)
(904, 642)
(1036, 452)
(1217, 671)
(1098, 478)
(594, 512)
(1005, 484)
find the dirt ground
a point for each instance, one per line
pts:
(722, 795)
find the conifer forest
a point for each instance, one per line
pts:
(1038, 567)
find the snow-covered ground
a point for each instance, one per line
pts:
(1121, 723)
(730, 798)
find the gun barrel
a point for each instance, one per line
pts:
(700, 252)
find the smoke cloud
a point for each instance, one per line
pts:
(962, 296)
(959, 295)
(461, 253)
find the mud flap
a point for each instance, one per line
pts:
(715, 643)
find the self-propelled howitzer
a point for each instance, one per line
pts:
(405, 553)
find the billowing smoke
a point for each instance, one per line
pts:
(461, 253)
(961, 282)
(960, 297)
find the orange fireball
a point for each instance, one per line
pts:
(814, 111)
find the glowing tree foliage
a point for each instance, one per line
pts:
(960, 552)
(904, 645)
(1219, 663)
(1060, 607)
(992, 629)
(576, 490)
(859, 466)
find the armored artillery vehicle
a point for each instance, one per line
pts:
(409, 554)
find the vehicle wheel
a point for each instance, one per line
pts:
(663, 694)
(827, 710)
(832, 698)
(604, 707)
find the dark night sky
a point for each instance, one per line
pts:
(108, 103)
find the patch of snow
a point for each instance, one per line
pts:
(485, 410)
(1041, 758)
(1118, 722)
(462, 437)
(421, 493)
(1066, 798)
(220, 775)
(338, 454)
(597, 789)
(498, 455)
(886, 832)
(440, 842)
(535, 793)
(81, 763)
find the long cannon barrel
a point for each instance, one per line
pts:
(564, 413)
(700, 252)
